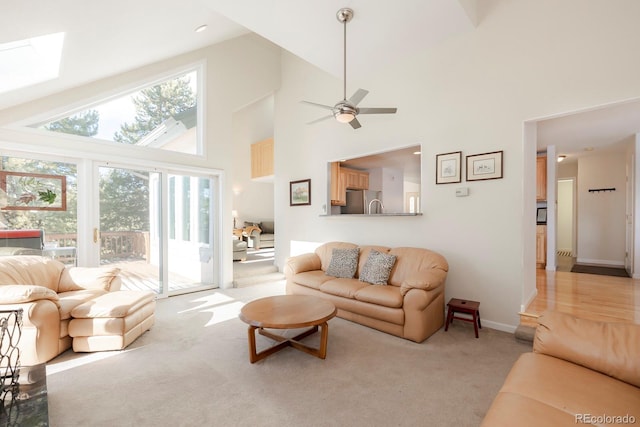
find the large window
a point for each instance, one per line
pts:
(163, 115)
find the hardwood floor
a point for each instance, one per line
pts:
(604, 298)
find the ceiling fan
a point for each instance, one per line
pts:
(345, 111)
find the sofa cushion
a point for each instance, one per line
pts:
(77, 278)
(311, 279)
(30, 270)
(346, 288)
(344, 263)
(412, 260)
(267, 227)
(388, 296)
(16, 294)
(377, 268)
(71, 299)
(113, 304)
(610, 348)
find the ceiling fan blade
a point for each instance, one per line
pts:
(377, 110)
(320, 119)
(355, 123)
(358, 96)
(326, 107)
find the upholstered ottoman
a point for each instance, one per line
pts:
(111, 321)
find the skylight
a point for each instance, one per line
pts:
(30, 61)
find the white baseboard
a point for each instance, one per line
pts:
(498, 326)
(606, 262)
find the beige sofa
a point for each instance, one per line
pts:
(49, 292)
(580, 372)
(261, 234)
(411, 306)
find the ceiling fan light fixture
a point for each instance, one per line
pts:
(344, 117)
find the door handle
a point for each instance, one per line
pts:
(96, 235)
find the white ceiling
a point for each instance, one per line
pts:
(590, 132)
(111, 37)
(107, 38)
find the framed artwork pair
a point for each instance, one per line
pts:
(479, 167)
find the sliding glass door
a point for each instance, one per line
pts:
(129, 231)
(190, 250)
(156, 227)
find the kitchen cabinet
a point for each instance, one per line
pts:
(338, 186)
(355, 179)
(541, 246)
(541, 178)
(343, 179)
(262, 159)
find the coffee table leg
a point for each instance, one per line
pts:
(324, 335)
(320, 352)
(253, 357)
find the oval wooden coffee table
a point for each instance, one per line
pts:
(288, 312)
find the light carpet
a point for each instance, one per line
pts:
(192, 369)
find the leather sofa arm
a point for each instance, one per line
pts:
(18, 294)
(425, 280)
(300, 263)
(610, 348)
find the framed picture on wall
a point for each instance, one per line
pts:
(300, 192)
(484, 166)
(448, 168)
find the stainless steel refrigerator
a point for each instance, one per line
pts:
(358, 202)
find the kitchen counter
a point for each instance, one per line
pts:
(373, 215)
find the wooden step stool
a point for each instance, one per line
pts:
(456, 305)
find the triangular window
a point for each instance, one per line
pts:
(163, 115)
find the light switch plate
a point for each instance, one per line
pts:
(462, 192)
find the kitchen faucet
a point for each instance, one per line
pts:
(381, 205)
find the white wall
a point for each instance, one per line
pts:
(565, 214)
(473, 93)
(601, 223)
(392, 190)
(253, 200)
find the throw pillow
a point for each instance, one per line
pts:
(344, 263)
(377, 268)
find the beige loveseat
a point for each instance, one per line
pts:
(411, 305)
(51, 295)
(580, 372)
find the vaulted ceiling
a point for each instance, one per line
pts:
(107, 38)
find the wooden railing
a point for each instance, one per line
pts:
(113, 244)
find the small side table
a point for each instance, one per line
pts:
(456, 305)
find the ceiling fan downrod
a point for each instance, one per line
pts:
(344, 15)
